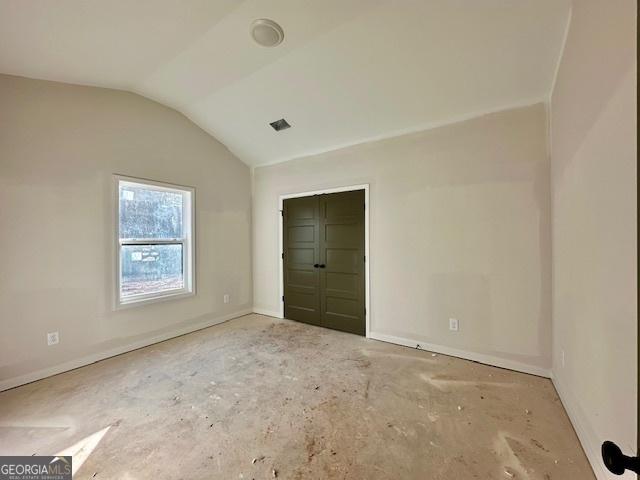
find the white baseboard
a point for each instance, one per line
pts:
(89, 359)
(586, 434)
(268, 313)
(454, 352)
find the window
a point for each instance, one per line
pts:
(154, 241)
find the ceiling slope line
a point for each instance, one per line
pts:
(563, 46)
(408, 131)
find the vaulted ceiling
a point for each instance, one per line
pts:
(348, 71)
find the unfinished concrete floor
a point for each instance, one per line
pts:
(306, 402)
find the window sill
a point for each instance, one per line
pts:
(163, 297)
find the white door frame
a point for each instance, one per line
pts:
(348, 188)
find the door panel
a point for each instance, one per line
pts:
(341, 283)
(301, 257)
(343, 260)
(342, 251)
(341, 234)
(324, 260)
(302, 234)
(301, 278)
(301, 252)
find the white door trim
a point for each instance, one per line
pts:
(348, 188)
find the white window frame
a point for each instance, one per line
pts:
(187, 242)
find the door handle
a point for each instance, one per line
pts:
(316, 265)
(616, 461)
(323, 266)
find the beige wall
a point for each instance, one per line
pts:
(593, 138)
(459, 226)
(59, 146)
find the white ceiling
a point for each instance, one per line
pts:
(348, 71)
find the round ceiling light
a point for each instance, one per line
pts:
(267, 32)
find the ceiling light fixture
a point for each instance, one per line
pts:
(266, 32)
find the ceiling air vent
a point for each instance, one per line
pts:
(281, 124)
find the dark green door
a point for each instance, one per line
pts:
(301, 238)
(324, 274)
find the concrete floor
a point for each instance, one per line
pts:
(257, 394)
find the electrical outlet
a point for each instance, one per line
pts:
(453, 324)
(226, 298)
(53, 338)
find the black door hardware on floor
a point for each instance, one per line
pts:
(616, 461)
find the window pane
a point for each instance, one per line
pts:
(150, 269)
(147, 213)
